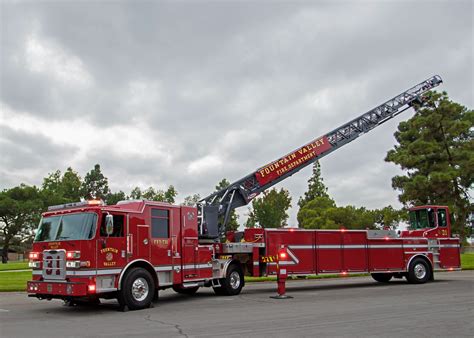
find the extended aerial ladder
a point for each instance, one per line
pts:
(214, 210)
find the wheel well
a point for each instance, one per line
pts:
(234, 262)
(423, 257)
(229, 263)
(139, 264)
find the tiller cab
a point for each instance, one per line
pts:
(130, 251)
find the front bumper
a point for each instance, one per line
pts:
(54, 289)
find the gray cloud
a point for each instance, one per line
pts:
(237, 83)
(28, 156)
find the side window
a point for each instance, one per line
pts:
(118, 226)
(442, 217)
(160, 223)
(431, 218)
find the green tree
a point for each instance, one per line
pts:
(60, 188)
(232, 223)
(52, 191)
(52, 183)
(323, 213)
(436, 149)
(150, 194)
(270, 210)
(71, 184)
(114, 198)
(191, 200)
(136, 193)
(314, 214)
(170, 194)
(95, 185)
(316, 186)
(20, 209)
(389, 217)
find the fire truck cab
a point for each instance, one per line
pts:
(128, 251)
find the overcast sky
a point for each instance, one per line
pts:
(189, 92)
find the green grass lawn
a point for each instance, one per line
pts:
(16, 280)
(14, 266)
(467, 261)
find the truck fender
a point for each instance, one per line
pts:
(139, 263)
(227, 264)
(423, 257)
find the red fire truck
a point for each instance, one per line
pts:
(130, 251)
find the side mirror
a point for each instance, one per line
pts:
(109, 224)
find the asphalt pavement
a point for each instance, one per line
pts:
(356, 307)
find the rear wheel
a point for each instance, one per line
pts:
(419, 271)
(138, 289)
(382, 277)
(233, 283)
(185, 291)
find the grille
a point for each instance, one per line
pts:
(54, 264)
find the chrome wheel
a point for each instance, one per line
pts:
(234, 280)
(140, 289)
(420, 271)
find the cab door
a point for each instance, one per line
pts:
(112, 246)
(175, 232)
(143, 241)
(161, 244)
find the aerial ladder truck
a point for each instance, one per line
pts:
(130, 251)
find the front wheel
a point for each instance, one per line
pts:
(138, 289)
(233, 283)
(382, 277)
(419, 271)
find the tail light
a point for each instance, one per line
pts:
(91, 287)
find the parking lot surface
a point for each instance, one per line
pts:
(331, 307)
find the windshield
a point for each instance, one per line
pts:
(422, 219)
(67, 227)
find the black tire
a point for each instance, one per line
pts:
(382, 277)
(185, 291)
(419, 271)
(233, 283)
(218, 290)
(138, 289)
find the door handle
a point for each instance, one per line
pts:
(169, 253)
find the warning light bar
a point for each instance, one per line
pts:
(76, 204)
